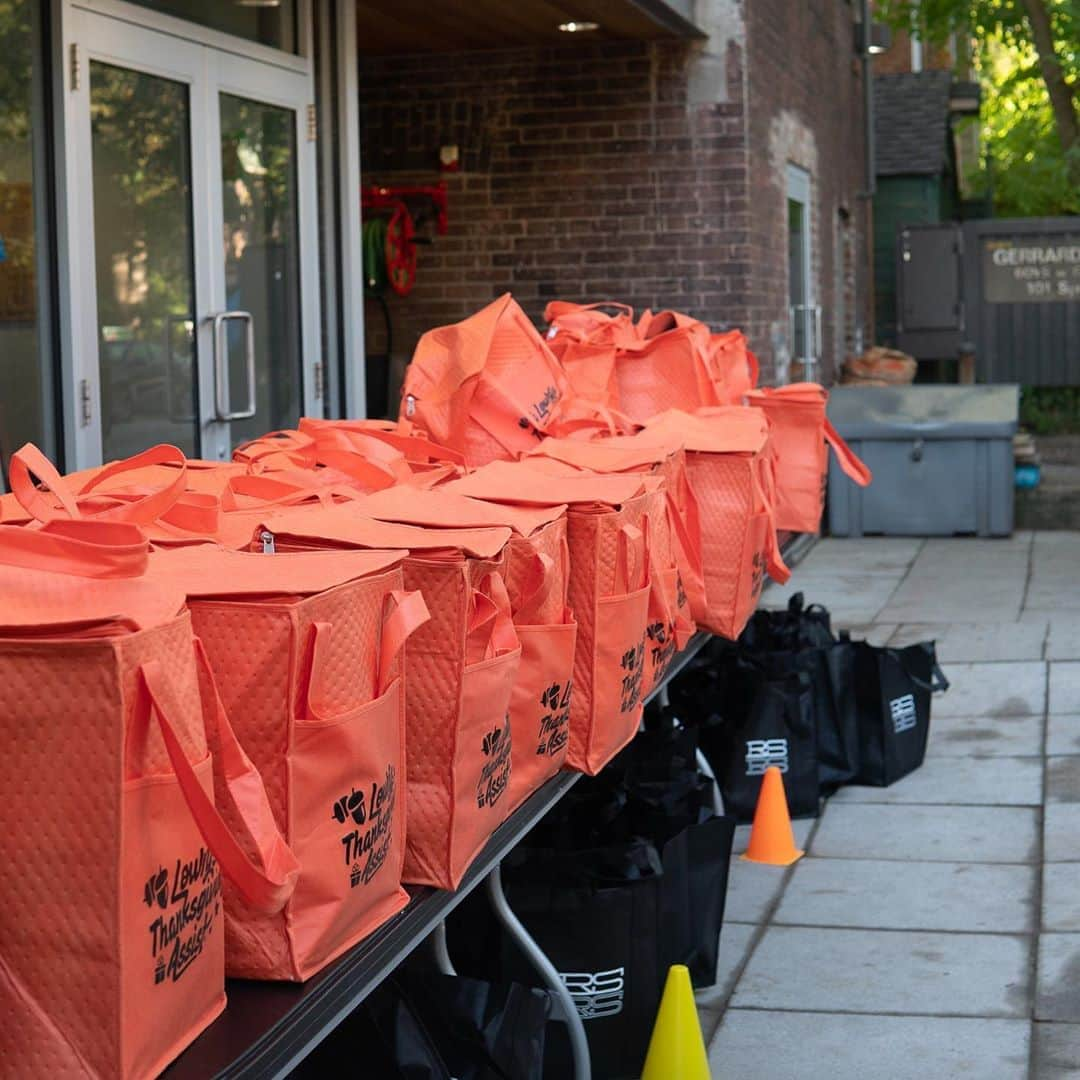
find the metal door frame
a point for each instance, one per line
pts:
(210, 63)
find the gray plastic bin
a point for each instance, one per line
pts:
(941, 456)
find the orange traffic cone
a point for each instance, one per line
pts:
(771, 838)
(677, 1049)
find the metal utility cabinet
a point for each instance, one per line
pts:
(941, 456)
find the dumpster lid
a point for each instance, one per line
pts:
(926, 412)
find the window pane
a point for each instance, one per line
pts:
(262, 253)
(797, 241)
(269, 22)
(23, 395)
(143, 250)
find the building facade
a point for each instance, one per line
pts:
(180, 223)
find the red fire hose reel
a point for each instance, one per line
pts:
(401, 238)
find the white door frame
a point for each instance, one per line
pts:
(798, 190)
(209, 62)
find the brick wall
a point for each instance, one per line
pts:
(587, 173)
(806, 109)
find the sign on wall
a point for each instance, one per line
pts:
(1031, 269)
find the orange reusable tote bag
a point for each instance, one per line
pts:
(537, 577)
(730, 468)
(487, 387)
(610, 592)
(801, 436)
(461, 669)
(304, 651)
(116, 822)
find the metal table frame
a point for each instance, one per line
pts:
(269, 1027)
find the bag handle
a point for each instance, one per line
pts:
(852, 466)
(297, 446)
(268, 492)
(149, 505)
(29, 459)
(267, 881)
(490, 631)
(631, 560)
(774, 560)
(938, 682)
(84, 547)
(409, 612)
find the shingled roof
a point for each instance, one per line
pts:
(911, 121)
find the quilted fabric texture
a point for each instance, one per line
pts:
(81, 811)
(260, 650)
(434, 739)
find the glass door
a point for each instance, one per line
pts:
(803, 314)
(197, 295)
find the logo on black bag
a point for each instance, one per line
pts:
(555, 723)
(761, 753)
(633, 663)
(662, 651)
(187, 902)
(596, 993)
(495, 775)
(902, 711)
(366, 846)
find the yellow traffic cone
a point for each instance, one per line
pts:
(676, 1049)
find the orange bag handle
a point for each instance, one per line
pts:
(82, 548)
(269, 492)
(490, 631)
(29, 459)
(628, 565)
(537, 587)
(687, 536)
(753, 366)
(414, 446)
(408, 614)
(297, 446)
(774, 559)
(852, 465)
(265, 882)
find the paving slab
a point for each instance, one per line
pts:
(769, 1045)
(801, 827)
(1063, 639)
(980, 736)
(1054, 585)
(752, 887)
(1017, 689)
(735, 940)
(1063, 734)
(985, 834)
(870, 554)
(977, 642)
(1063, 779)
(1058, 994)
(1061, 896)
(850, 596)
(1057, 1051)
(891, 895)
(888, 971)
(1065, 685)
(1061, 832)
(961, 581)
(986, 781)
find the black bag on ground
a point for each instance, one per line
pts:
(893, 690)
(422, 1025)
(768, 720)
(791, 630)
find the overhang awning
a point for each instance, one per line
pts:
(396, 27)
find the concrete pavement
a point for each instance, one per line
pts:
(933, 928)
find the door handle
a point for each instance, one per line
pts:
(221, 364)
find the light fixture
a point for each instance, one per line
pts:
(258, 3)
(872, 38)
(577, 27)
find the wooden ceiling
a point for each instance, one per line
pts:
(399, 27)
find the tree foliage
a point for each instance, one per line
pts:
(1031, 94)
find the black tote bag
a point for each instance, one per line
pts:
(893, 692)
(770, 721)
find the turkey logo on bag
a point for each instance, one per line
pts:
(367, 846)
(555, 724)
(495, 775)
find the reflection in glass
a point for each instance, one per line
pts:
(22, 394)
(797, 241)
(269, 22)
(259, 194)
(143, 250)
